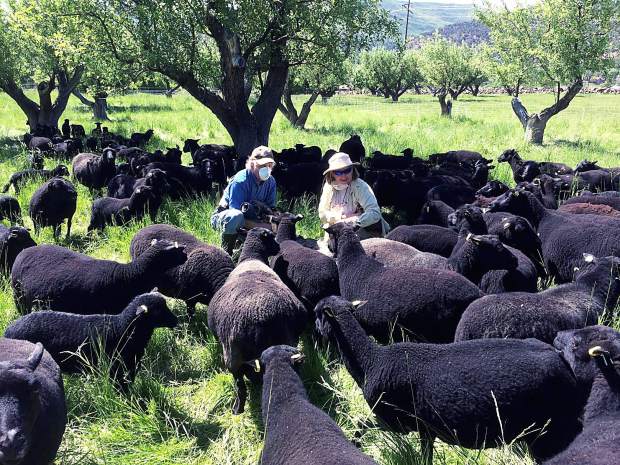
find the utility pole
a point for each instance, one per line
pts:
(407, 21)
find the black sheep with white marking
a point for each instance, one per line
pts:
(286, 407)
(95, 171)
(32, 404)
(51, 204)
(542, 315)
(89, 285)
(197, 279)
(455, 391)
(423, 304)
(74, 339)
(111, 211)
(254, 310)
(17, 180)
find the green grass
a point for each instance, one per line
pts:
(178, 411)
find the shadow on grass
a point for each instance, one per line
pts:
(584, 145)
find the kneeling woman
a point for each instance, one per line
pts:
(346, 197)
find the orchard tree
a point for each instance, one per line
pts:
(232, 56)
(556, 43)
(34, 48)
(447, 70)
(390, 73)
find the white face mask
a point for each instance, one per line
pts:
(264, 173)
(340, 187)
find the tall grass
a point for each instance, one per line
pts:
(178, 410)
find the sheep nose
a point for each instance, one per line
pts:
(11, 445)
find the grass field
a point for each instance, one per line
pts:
(178, 411)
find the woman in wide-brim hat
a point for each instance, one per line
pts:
(346, 197)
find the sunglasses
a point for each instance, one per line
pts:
(344, 171)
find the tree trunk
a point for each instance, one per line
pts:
(100, 109)
(446, 106)
(394, 96)
(417, 88)
(535, 124)
(170, 92)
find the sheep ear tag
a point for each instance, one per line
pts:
(154, 241)
(598, 351)
(358, 303)
(256, 366)
(589, 258)
(297, 358)
(142, 309)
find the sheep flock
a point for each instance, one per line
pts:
(482, 319)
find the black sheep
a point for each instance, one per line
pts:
(611, 199)
(89, 285)
(455, 391)
(185, 180)
(66, 129)
(17, 180)
(122, 186)
(426, 238)
(298, 179)
(457, 156)
(354, 148)
(111, 211)
(597, 444)
(310, 274)
(493, 189)
(74, 339)
(565, 237)
(32, 402)
(453, 195)
(254, 310)
(94, 171)
(44, 144)
(541, 315)
(9, 209)
(521, 170)
(286, 407)
(197, 279)
(435, 212)
(77, 131)
(51, 203)
(140, 139)
(12, 241)
(401, 301)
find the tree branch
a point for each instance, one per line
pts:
(520, 111)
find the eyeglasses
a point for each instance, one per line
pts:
(344, 171)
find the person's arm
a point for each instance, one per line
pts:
(367, 200)
(236, 194)
(324, 212)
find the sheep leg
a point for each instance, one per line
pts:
(56, 231)
(242, 394)
(68, 227)
(426, 442)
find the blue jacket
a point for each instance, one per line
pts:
(244, 187)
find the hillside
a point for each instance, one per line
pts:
(428, 16)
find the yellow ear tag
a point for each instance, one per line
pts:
(143, 308)
(256, 366)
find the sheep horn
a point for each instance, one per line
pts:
(35, 357)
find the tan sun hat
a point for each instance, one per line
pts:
(339, 161)
(262, 156)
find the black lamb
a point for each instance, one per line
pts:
(310, 274)
(17, 180)
(597, 444)
(185, 180)
(51, 203)
(425, 304)
(565, 237)
(541, 315)
(286, 408)
(354, 148)
(517, 388)
(122, 186)
(95, 171)
(74, 339)
(254, 310)
(89, 285)
(9, 209)
(111, 211)
(32, 402)
(197, 279)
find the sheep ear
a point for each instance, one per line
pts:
(329, 312)
(297, 359)
(142, 309)
(358, 303)
(35, 357)
(589, 258)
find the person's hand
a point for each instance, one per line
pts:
(350, 219)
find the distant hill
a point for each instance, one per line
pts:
(426, 17)
(469, 32)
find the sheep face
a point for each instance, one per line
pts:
(606, 355)
(61, 170)
(157, 179)
(493, 253)
(268, 239)
(327, 311)
(574, 346)
(492, 189)
(190, 145)
(508, 155)
(513, 201)
(585, 165)
(168, 254)
(155, 311)
(19, 406)
(518, 230)
(109, 156)
(281, 353)
(467, 213)
(19, 236)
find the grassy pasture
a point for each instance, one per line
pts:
(178, 411)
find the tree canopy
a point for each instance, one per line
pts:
(554, 42)
(234, 57)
